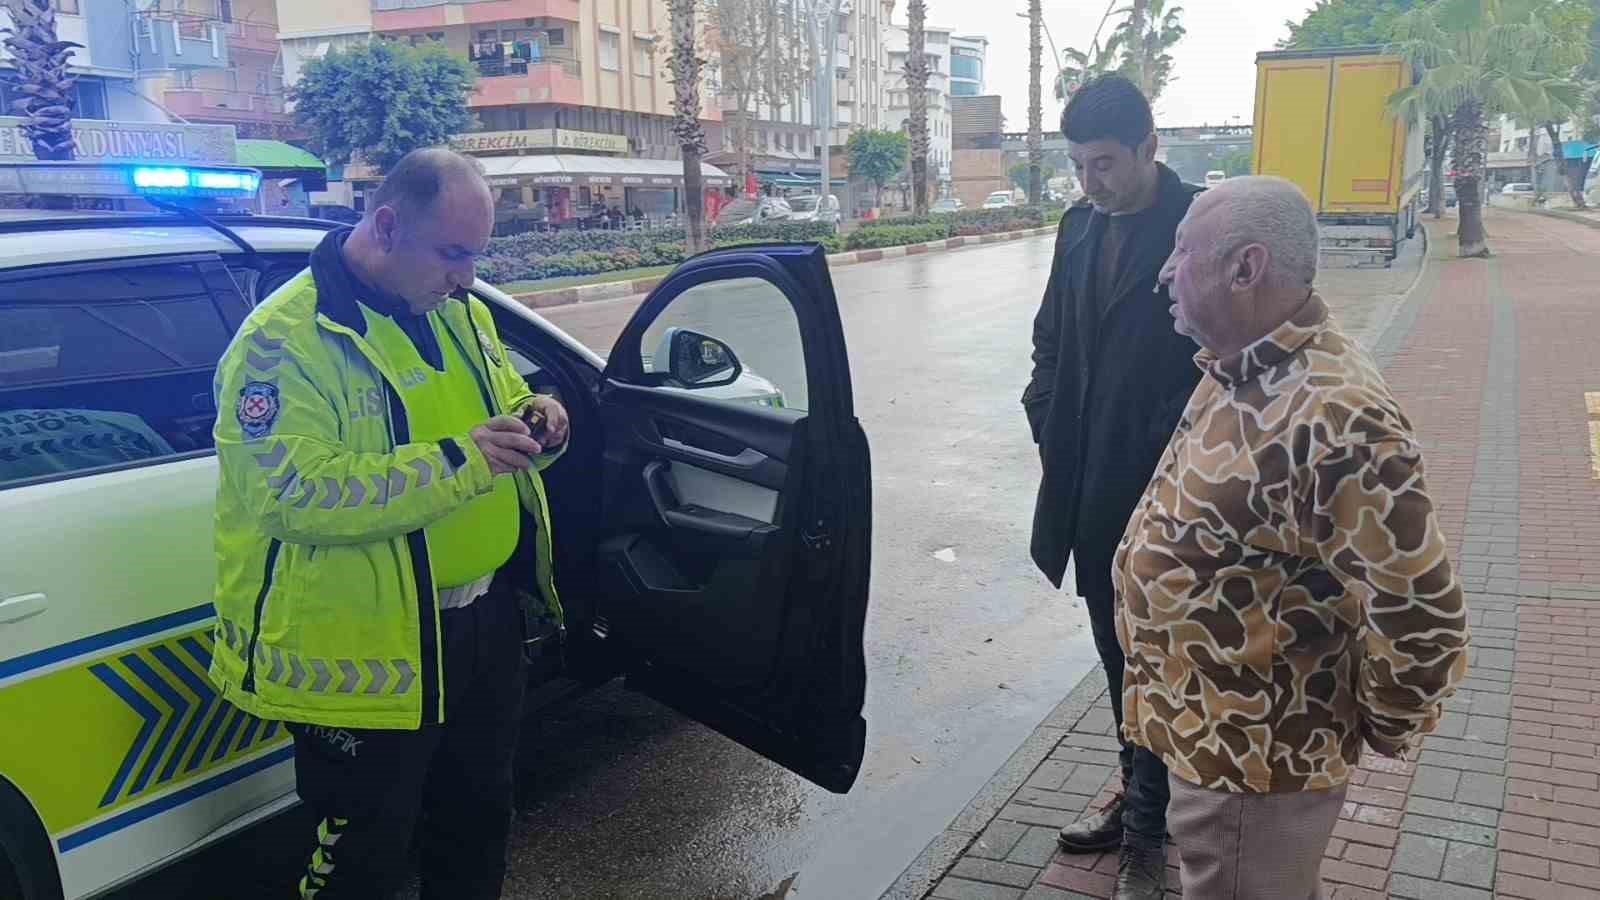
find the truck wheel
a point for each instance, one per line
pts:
(27, 867)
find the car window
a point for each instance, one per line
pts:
(107, 366)
(753, 318)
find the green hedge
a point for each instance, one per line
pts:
(895, 235)
(535, 256)
(969, 222)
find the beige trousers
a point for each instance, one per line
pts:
(1251, 846)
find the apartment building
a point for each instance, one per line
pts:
(214, 62)
(897, 102)
(969, 54)
(861, 67)
(105, 65)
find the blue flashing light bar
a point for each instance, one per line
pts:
(173, 183)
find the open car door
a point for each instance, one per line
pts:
(736, 508)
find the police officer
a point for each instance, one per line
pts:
(379, 514)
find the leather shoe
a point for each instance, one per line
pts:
(1141, 868)
(1102, 831)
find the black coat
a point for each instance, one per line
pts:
(1106, 393)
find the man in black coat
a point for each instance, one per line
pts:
(1110, 380)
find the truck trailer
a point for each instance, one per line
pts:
(1322, 121)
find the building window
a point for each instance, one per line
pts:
(644, 56)
(488, 36)
(557, 37)
(66, 7)
(610, 51)
(91, 100)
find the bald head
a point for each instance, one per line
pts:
(1266, 210)
(425, 229)
(417, 180)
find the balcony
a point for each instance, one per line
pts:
(511, 82)
(407, 15)
(226, 107)
(166, 40)
(250, 37)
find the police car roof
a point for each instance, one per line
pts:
(37, 237)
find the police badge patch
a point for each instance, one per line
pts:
(258, 408)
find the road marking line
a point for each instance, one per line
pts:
(1592, 401)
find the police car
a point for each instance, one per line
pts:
(712, 533)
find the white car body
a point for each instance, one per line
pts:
(998, 200)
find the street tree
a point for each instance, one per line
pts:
(684, 65)
(877, 156)
(380, 101)
(764, 57)
(1035, 102)
(1346, 23)
(1478, 58)
(1237, 162)
(42, 78)
(1147, 37)
(917, 90)
(1079, 66)
(1020, 174)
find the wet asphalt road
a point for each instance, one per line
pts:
(967, 646)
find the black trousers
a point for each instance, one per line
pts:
(370, 789)
(1144, 775)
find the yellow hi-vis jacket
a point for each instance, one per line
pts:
(327, 610)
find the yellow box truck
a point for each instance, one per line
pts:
(1322, 121)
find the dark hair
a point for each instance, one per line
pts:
(416, 180)
(1109, 106)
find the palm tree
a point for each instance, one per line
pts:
(917, 88)
(1478, 57)
(685, 64)
(1035, 104)
(1146, 36)
(42, 77)
(1078, 67)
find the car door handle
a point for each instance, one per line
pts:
(746, 458)
(22, 606)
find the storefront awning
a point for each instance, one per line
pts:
(277, 159)
(589, 171)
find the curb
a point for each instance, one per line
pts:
(613, 290)
(1590, 221)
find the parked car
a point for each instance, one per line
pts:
(808, 208)
(712, 541)
(1215, 177)
(750, 211)
(998, 200)
(946, 205)
(334, 212)
(1518, 189)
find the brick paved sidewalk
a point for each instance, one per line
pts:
(1492, 360)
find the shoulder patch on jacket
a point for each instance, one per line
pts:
(257, 409)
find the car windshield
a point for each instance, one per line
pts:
(802, 204)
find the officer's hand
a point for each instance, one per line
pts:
(505, 442)
(554, 433)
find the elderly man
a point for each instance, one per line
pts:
(1286, 595)
(380, 525)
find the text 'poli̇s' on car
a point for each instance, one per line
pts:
(711, 528)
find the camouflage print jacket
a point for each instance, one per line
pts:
(1285, 591)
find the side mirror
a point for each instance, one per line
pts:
(693, 360)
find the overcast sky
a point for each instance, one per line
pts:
(1215, 62)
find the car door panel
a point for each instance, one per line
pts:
(735, 537)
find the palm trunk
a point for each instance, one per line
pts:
(1469, 158)
(684, 65)
(1441, 140)
(917, 94)
(1533, 161)
(42, 77)
(1035, 102)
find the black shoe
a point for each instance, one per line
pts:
(1101, 831)
(1141, 869)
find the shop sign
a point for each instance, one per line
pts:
(538, 139)
(105, 141)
